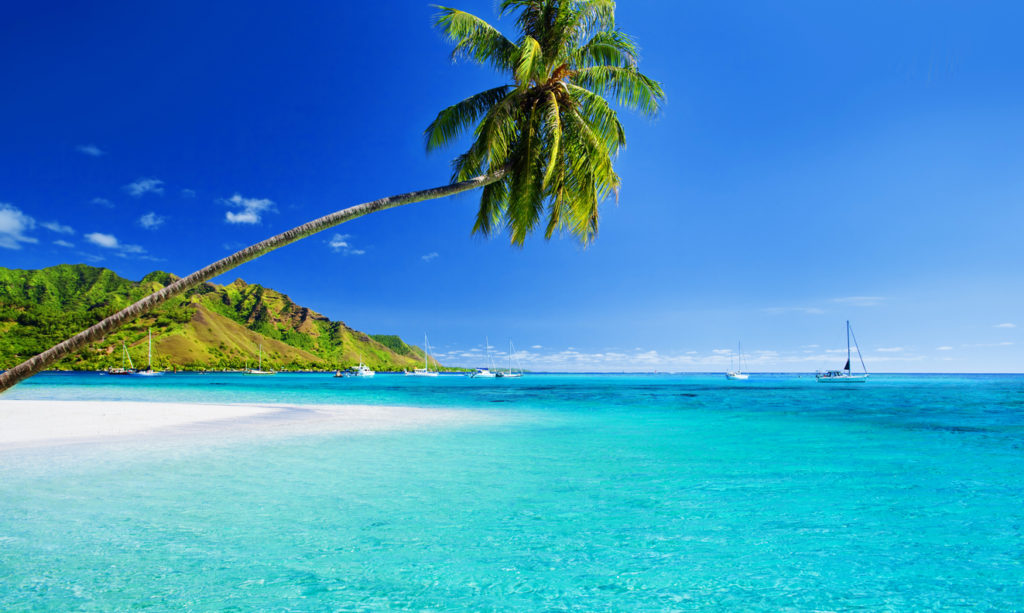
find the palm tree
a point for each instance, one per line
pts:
(542, 146)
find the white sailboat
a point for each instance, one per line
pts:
(738, 374)
(485, 373)
(510, 374)
(845, 375)
(125, 357)
(149, 372)
(425, 371)
(259, 368)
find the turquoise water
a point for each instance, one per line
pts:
(597, 493)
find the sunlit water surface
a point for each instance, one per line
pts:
(599, 493)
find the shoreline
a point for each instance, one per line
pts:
(46, 423)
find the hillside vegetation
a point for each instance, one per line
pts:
(210, 327)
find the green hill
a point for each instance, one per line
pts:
(211, 326)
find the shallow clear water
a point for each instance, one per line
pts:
(603, 493)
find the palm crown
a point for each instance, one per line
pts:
(551, 134)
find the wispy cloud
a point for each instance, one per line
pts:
(341, 243)
(102, 202)
(151, 221)
(889, 349)
(61, 243)
(1005, 326)
(1002, 344)
(944, 348)
(783, 310)
(91, 150)
(13, 226)
(53, 226)
(430, 257)
(716, 360)
(250, 209)
(109, 241)
(188, 193)
(145, 185)
(864, 301)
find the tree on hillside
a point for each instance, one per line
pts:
(543, 142)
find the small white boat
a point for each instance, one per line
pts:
(845, 375)
(149, 372)
(363, 370)
(125, 357)
(259, 368)
(737, 374)
(485, 373)
(425, 371)
(510, 374)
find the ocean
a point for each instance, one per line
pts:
(579, 492)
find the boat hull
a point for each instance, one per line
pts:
(843, 379)
(736, 376)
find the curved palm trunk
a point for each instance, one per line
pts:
(94, 333)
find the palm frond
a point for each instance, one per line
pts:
(553, 125)
(454, 120)
(474, 38)
(606, 48)
(528, 60)
(630, 88)
(601, 118)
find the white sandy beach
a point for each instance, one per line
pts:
(30, 423)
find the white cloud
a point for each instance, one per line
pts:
(56, 227)
(783, 310)
(944, 348)
(145, 186)
(536, 346)
(433, 255)
(151, 221)
(92, 150)
(339, 243)
(188, 193)
(103, 240)
(1005, 326)
(889, 349)
(102, 202)
(63, 244)
(13, 226)
(251, 211)
(109, 241)
(860, 300)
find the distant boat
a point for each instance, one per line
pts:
(738, 374)
(485, 373)
(425, 371)
(125, 358)
(259, 368)
(510, 374)
(363, 370)
(149, 372)
(846, 374)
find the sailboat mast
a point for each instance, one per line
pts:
(510, 356)
(151, 350)
(426, 352)
(260, 366)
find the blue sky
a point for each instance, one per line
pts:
(816, 162)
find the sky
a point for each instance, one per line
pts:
(814, 162)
